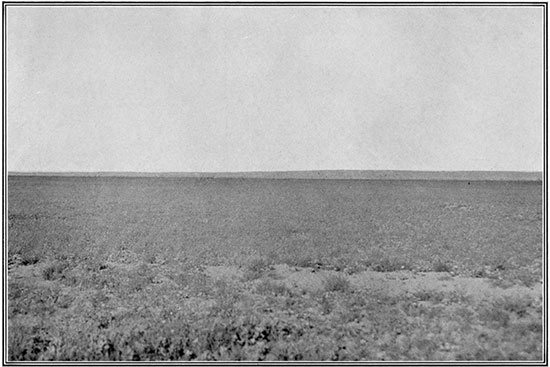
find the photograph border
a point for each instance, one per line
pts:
(7, 4)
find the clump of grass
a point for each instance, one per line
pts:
(326, 306)
(386, 265)
(30, 259)
(337, 283)
(442, 267)
(480, 272)
(55, 270)
(256, 269)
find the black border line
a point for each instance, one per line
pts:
(4, 189)
(277, 4)
(545, 194)
(5, 4)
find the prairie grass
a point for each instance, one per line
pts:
(113, 269)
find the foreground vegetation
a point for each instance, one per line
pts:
(190, 269)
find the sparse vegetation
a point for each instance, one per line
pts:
(114, 269)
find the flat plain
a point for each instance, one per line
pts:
(172, 268)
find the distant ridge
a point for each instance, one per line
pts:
(329, 174)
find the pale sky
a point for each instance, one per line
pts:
(191, 89)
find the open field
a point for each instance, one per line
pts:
(133, 268)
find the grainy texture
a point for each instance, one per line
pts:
(220, 221)
(123, 261)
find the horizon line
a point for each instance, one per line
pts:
(279, 171)
(309, 174)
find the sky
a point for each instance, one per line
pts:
(221, 89)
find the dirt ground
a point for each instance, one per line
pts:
(394, 283)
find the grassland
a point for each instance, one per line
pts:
(109, 268)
